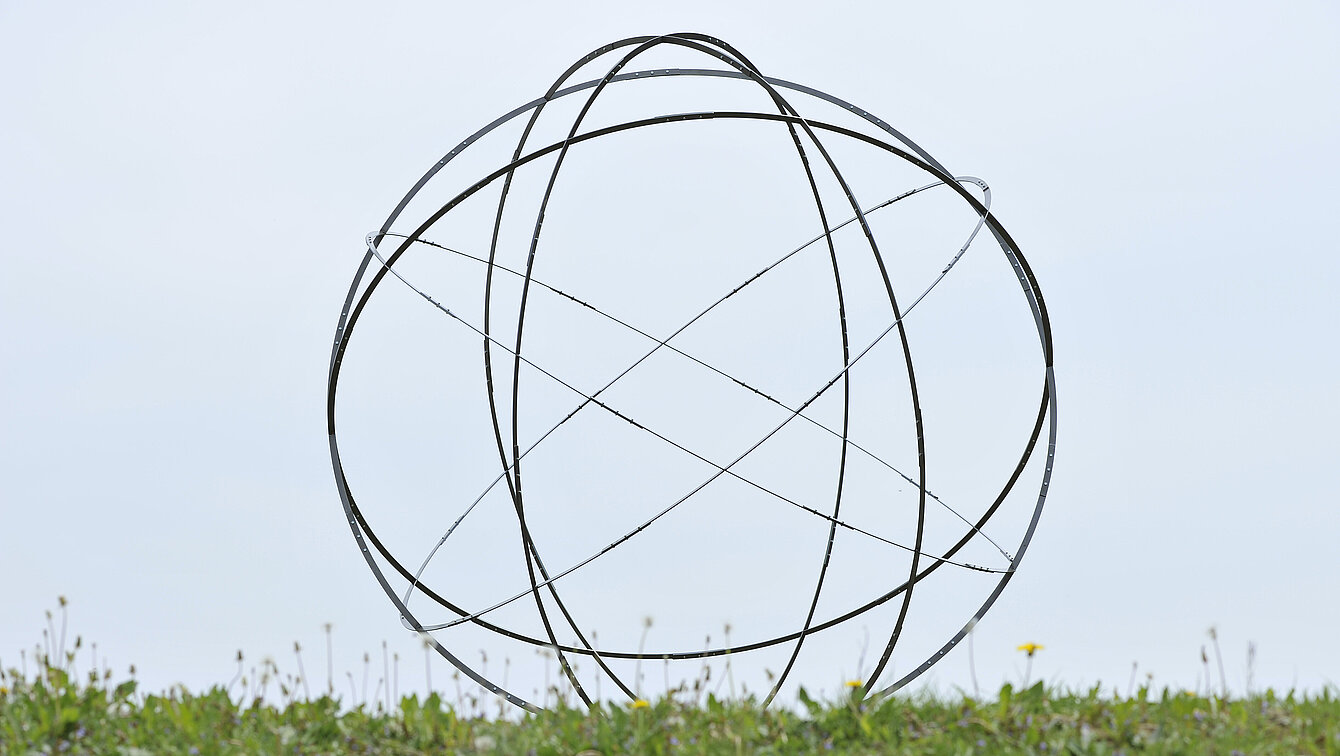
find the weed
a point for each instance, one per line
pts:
(56, 710)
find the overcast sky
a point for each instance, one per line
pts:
(185, 193)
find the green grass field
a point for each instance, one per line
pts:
(53, 709)
(54, 713)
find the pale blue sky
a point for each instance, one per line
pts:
(186, 190)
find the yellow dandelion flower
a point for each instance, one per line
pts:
(853, 683)
(1031, 648)
(641, 704)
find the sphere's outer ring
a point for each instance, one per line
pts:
(896, 591)
(1022, 270)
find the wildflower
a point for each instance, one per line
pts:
(641, 704)
(853, 683)
(1030, 649)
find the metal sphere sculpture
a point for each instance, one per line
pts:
(844, 235)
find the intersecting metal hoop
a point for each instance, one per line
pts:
(808, 136)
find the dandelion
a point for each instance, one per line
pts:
(641, 644)
(1030, 649)
(427, 660)
(853, 683)
(330, 664)
(641, 704)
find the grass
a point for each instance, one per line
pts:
(54, 710)
(55, 713)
